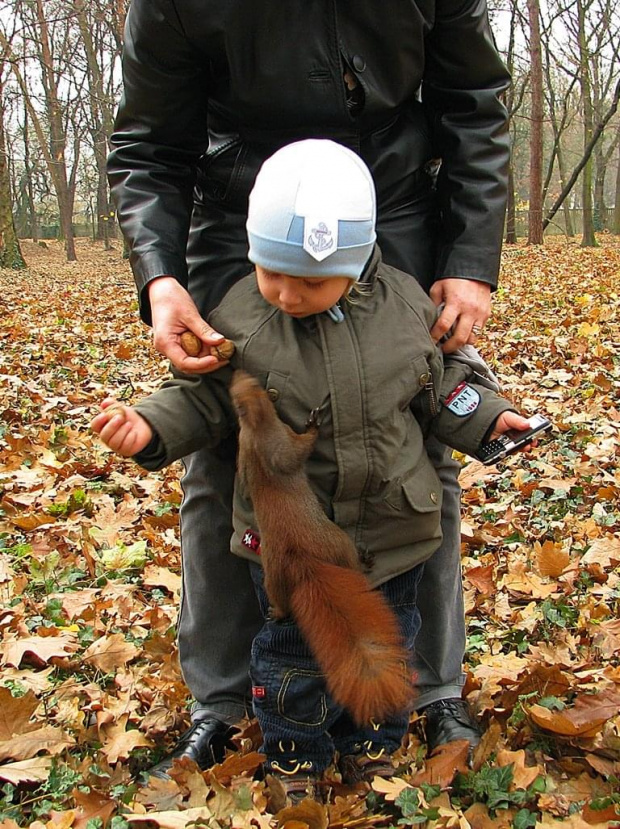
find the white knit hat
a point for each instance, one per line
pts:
(312, 211)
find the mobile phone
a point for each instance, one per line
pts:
(512, 441)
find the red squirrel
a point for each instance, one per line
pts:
(311, 568)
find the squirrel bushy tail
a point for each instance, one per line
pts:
(355, 639)
(311, 566)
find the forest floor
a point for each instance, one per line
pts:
(90, 689)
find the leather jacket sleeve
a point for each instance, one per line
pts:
(464, 79)
(160, 132)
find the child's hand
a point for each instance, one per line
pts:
(507, 421)
(121, 428)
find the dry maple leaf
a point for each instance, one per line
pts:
(110, 652)
(156, 576)
(603, 551)
(24, 746)
(523, 776)
(477, 817)
(161, 795)
(15, 713)
(306, 815)
(171, 819)
(119, 743)
(40, 648)
(35, 770)
(482, 579)
(91, 805)
(585, 719)
(445, 761)
(551, 558)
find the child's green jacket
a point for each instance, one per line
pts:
(382, 386)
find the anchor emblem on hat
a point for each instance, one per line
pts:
(321, 237)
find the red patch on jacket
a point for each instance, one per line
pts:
(251, 540)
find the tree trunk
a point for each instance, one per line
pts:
(511, 212)
(32, 211)
(588, 238)
(51, 137)
(10, 251)
(599, 190)
(616, 223)
(101, 116)
(535, 226)
(568, 217)
(613, 108)
(511, 206)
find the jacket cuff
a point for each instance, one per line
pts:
(153, 456)
(149, 266)
(465, 430)
(174, 439)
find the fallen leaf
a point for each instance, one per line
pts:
(156, 576)
(603, 551)
(445, 761)
(15, 713)
(35, 770)
(523, 776)
(23, 746)
(119, 743)
(92, 805)
(171, 819)
(110, 652)
(308, 814)
(482, 579)
(551, 559)
(584, 719)
(42, 648)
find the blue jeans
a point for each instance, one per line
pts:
(301, 724)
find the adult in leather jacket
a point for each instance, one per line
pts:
(211, 89)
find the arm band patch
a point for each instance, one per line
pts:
(463, 400)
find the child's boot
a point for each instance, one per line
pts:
(295, 781)
(366, 764)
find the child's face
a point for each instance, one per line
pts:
(300, 296)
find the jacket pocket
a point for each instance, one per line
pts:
(409, 512)
(217, 168)
(228, 170)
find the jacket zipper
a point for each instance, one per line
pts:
(429, 388)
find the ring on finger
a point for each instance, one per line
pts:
(476, 329)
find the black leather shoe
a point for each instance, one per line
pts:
(448, 720)
(205, 743)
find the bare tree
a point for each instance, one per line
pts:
(53, 52)
(616, 219)
(10, 251)
(535, 228)
(101, 48)
(561, 117)
(585, 50)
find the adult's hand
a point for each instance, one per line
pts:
(467, 306)
(173, 312)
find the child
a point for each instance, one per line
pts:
(325, 325)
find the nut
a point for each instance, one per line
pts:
(116, 409)
(223, 350)
(190, 344)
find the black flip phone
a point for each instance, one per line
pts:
(512, 441)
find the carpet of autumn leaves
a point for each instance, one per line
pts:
(90, 689)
